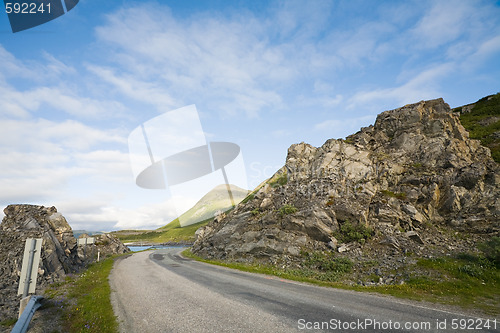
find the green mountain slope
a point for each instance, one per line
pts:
(171, 233)
(215, 200)
(482, 120)
(199, 215)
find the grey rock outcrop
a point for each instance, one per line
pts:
(60, 254)
(104, 244)
(412, 176)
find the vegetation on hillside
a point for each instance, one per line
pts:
(279, 179)
(467, 280)
(215, 200)
(483, 123)
(172, 232)
(349, 232)
(287, 210)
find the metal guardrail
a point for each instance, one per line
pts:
(24, 320)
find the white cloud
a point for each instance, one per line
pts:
(49, 84)
(107, 166)
(340, 128)
(58, 99)
(31, 177)
(56, 66)
(138, 90)
(485, 51)
(226, 62)
(455, 28)
(42, 72)
(424, 85)
(39, 158)
(292, 18)
(11, 66)
(364, 44)
(444, 22)
(12, 104)
(93, 215)
(44, 136)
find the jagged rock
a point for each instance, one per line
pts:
(415, 169)
(60, 254)
(391, 241)
(333, 243)
(413, 235)
(266, 203)
(104, 244)
(346, 247)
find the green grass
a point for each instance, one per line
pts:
(248, 198)
(252, 194)
(8, 322)
(326, 266)
(491, 250)
(279, 180)
(483, 109)
(400, 196)
(85, 300)
(467, 281)
(287, 210)
(353, 233)
(172, 232)
(326, 276)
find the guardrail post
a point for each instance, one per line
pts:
(30, 266)
(24, 320)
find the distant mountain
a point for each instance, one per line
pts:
(217, 199)
(199, 215)
(77, 233)
(172, 233)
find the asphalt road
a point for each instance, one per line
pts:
(162, 292)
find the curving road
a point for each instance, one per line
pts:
(161, 291)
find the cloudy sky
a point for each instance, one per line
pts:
(262, 74)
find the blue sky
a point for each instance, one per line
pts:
(262, 74)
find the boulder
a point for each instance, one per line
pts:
(60, 253)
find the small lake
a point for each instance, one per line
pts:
(136, 248)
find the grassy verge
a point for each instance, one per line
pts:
(308, 275)
(468, 281)
(84, 300)
(8, 322)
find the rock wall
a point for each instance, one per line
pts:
(60, 254)
(414, 177)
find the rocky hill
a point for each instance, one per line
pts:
(60, 253)
(412, 183)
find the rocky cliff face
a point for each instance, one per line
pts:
(414, 181)
(60, 254)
